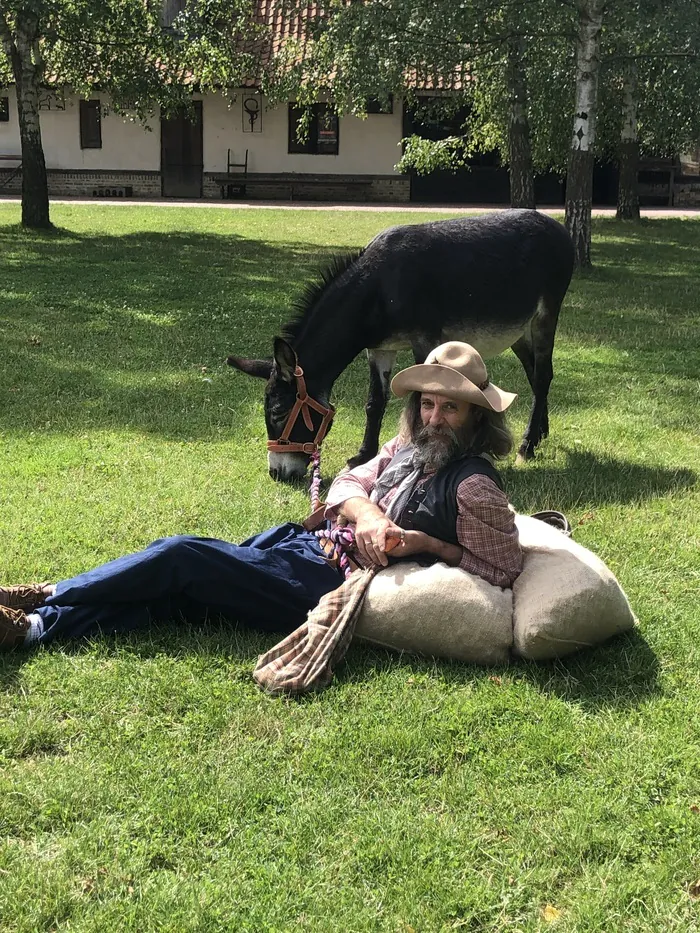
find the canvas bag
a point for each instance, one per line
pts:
(438, 611)
(566, 598)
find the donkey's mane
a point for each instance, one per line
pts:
(312, 292)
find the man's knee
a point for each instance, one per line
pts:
(173, 546)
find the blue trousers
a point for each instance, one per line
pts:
(269, 582)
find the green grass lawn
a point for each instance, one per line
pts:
(146, 784)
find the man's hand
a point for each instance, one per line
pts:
(374, 536)
(418, 542)
(371, 529)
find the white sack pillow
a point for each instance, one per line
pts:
(438, 611)
(565, 598)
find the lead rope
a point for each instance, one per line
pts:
(343, 539)
(315, 488)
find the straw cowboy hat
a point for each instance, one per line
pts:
(456, 370)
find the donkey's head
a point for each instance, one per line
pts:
(281, 393)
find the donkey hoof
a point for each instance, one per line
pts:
(358, 460)
(524, 454)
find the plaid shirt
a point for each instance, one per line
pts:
(485, 523)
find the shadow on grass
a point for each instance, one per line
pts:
(103, 331)
(588, 479)
(221, 641)
(110, 331)
(619, 673)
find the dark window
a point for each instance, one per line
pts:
(90, 125)
(4, 109)
(378, 105)
(322, 138)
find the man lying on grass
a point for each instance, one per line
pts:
(433, 487)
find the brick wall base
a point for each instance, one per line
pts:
(113, 185)
(93, 184)
(302, 187)
(686, 192)
(96, 184)
(274, 187)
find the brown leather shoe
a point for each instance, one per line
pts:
(14, 626)
(26, 596)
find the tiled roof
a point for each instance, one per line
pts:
(285, 22)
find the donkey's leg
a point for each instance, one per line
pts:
(422, 345)
(543, 330)
(525, 353)
(381, 363)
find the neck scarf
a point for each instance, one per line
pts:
(405, 472)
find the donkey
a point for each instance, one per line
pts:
(495, 281)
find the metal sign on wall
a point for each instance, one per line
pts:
(52, 100)
(251, 108)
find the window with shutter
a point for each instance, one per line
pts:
(90, 125)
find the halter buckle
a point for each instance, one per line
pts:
(303, 403)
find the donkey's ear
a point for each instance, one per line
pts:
(285, 358)
(260, 368)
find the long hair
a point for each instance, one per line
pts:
(488, 433)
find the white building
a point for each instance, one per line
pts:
(91, 151)
(241, 148)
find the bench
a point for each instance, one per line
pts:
(285, 186)
(235, 184)
(14, 172)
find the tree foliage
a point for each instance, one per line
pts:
(124, 48)
(662, 42)
(382, 47)
(457, 52)
(119, 48)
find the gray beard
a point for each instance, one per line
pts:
(435, 449)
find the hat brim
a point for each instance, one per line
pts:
(442, 380)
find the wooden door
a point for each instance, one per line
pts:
(181, 155)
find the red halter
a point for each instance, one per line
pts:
(303, 403)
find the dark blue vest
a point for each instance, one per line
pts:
(433, 506)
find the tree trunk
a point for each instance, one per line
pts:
(579, 181)
(522, 179)
(628, 160)
(26, 67)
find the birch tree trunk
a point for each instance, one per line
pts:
(23, 51)
(522, 179)
(579, 181)
(628, 183)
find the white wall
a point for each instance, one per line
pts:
(366, 147)
(125, 145)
